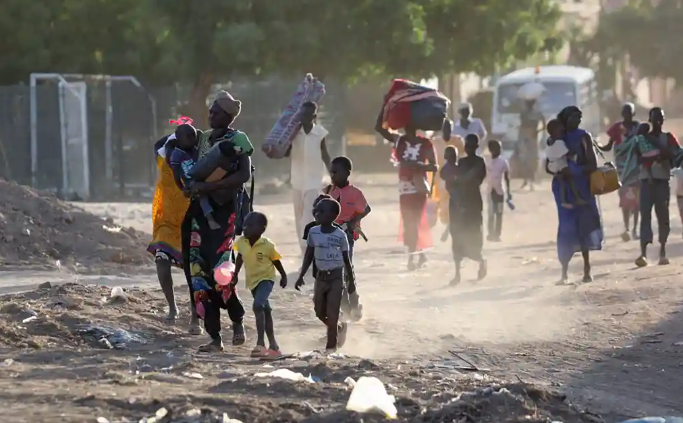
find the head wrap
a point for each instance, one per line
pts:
(563, 116)
(228, 103)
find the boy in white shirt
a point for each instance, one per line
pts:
(497, 169)
(310, 162)
(678, 174)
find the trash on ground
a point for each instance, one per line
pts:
(287, 374)
(370, 396)
(193, 375)
(118, 338)
(117, 293)
(29, 319)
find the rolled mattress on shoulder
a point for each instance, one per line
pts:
(280, 138)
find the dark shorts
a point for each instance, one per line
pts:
(327, 293)
(261, 295)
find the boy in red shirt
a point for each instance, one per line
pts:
(354, 207)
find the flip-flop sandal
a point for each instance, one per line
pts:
(259, 352)
(239, 337)
(271, 355)
(663, 261)
(641, 261)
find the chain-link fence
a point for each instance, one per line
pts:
(112, 124)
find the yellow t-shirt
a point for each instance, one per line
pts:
(258, 260)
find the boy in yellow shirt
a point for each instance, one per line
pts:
(260, 259)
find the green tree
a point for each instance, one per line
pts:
(648, 33)
(203, 42)
(70, 36)
(347, 40)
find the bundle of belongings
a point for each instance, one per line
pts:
(409, 103)
(279, 142)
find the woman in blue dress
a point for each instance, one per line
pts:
(580, 226)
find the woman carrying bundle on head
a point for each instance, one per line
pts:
(413, 107)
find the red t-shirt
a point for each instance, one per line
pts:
(351, 200)
(618, 131)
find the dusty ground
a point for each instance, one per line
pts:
(614, 347)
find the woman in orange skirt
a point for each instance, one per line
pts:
(168, 210)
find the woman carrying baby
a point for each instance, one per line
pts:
(620, 133)
(580, 227)
(205, 248)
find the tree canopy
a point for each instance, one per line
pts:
(203, 42)
(649, 33)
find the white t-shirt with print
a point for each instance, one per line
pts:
(495, 170)
(308, 168)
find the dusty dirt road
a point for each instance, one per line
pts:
(614, 346)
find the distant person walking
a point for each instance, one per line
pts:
(532, 122)
(629, 193)
(464, 178)
(655, 192)
(467, 124)
(310, 161)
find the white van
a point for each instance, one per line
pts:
(564, 86)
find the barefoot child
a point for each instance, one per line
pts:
(557, 154)
(260, 259)
(183, 158)
(466, 205)
(329, 247)
(354, 207)
(497, 169)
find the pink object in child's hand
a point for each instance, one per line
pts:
(224, 273)
(651, 154)
(199, 308)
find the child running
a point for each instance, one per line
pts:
(354, 207)
(497, 169)
(183, 158)
(260, 258)
(557, 154)
(328, 245)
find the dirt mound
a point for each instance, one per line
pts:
(118, 360)
(39, 230)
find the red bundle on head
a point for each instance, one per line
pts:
(182, 120)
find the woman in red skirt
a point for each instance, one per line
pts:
(416, 157)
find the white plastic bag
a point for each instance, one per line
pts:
(531, 91)
(117, 292)
(370, 396)
(286, 374)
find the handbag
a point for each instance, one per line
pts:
(604, 180)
